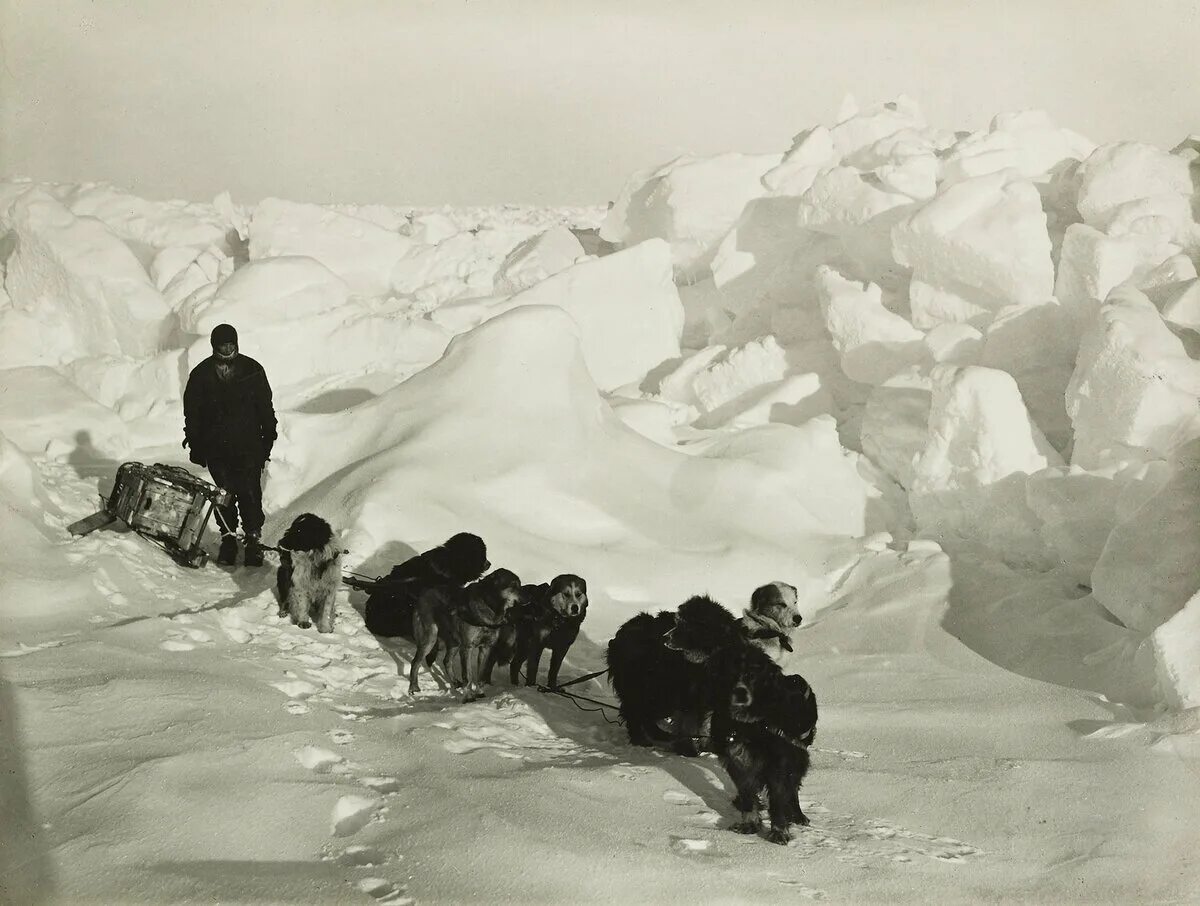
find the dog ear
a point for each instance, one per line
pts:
(763, 597)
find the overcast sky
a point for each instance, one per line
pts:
(541, 101)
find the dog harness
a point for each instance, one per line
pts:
(760, 627)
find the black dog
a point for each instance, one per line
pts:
(762, 735)
(659, 666)
(549, 617)
(310, 572)
(462, 559)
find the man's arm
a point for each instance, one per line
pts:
(192, 418)
(267, 424)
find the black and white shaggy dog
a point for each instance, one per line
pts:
(771, 618)
(310, 572)
(659, 666)
(549, 617)
(389, 609)
(762, 735)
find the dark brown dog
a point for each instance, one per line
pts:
(550, 617)
(461, 559)
(463, 620)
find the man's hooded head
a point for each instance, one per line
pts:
(224, 341)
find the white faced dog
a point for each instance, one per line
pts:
(310, 571)
(771, 618)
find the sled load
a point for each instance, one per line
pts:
(165, 504)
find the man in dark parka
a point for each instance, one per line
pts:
(229, 426)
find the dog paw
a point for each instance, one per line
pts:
(801, 819)
(325, 627)
(778, 835)
(745, 827)
(304, 624)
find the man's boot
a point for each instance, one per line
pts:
(227, 555)
(254, 551)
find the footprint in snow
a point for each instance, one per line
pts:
(296, 688)
(679, 797)
(626, 771)
(689, 846)
(381, 784)
(318, 760)
(351, 813)
(185, 640)
(801, 890)
(22, 649)
(358, 857)
(384, 891)
(295, 707)
(860, 842)
(341, 737)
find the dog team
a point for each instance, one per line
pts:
(713, 678)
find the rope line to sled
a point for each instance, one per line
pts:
(576, 699)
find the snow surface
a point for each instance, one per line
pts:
(947, 384)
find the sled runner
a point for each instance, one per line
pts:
(165, 504)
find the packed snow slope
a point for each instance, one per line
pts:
(947, 384)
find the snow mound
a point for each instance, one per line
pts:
(157, 224)
(977, 247)
(874, 344)
(1028, 142)
(1181, 304)
(853, 206)
(626, 305)
(690, 202)
(360, 252)
(751, 385)
(286, 288)
(1130, 187)
(1092, 264)
(76, 289)
(969, 482)
(565, 482)
(1147, 571)
(34, 569)
(43, 412)
(1177, 654)
(1036, 345)
(1134, 391)
(537, 258)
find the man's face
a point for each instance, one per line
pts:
(226, 350)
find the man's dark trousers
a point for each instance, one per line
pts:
(243, 480)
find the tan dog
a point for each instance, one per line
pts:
(771, 618)
(467, 620)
